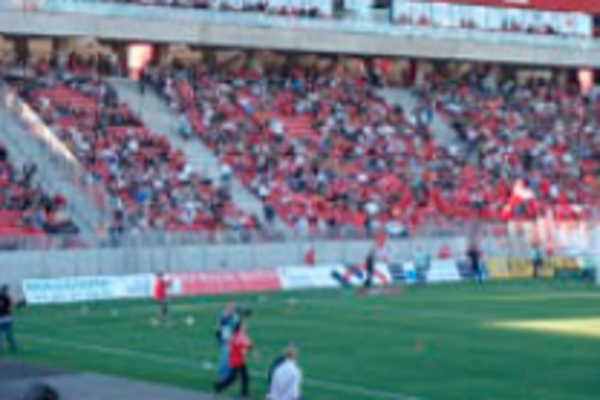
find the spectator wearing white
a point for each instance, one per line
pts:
(225, 174)
(286, 382)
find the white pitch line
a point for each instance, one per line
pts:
(180, 362)
(271, 304)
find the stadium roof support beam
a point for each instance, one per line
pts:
(569, 53)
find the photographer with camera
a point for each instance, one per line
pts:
(6, 320)
(226, 324)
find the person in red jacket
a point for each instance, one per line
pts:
(240, 345)
(161, 296)
(310, 258)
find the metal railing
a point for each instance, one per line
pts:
(567, 237)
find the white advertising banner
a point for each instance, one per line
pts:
(443, 271)
(81, 289)
(443, 15)
(306, 277)
(359, 5)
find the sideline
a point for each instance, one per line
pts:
(179, 362)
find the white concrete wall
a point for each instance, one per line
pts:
(18, 265)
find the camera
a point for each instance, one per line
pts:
(244, 312)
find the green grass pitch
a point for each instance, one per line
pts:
(427, 343)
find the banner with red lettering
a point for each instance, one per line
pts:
(220, 282)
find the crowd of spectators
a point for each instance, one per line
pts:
(534, 142)
(326, 154)
(329, 154)
(152, 184)
(26, 210)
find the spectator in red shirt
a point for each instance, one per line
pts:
(310, 258)
(240, 345)
(161, 296)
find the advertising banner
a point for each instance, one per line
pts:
(522, 268)
(497, 268)
(304, 277)
(585, 6)
(457, 14)
(443, 271)
(219, 282)
(355, 275)
(82, 289)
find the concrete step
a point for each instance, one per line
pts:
(442, 131)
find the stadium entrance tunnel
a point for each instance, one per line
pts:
(584, 327)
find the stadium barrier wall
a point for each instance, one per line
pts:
(16, 266)
(288, 278)
(201, 283)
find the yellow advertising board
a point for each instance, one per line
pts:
(518, 268)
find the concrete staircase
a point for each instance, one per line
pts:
(157, 115)
(54, 173)
(443, 132)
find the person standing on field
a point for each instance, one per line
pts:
(161, 296)
(239, 347)
(370, 269)
(474, 257)
(286, 379)
(6, 320)
(537, 260)
(226, 325)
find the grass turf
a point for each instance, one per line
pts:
(430, 343)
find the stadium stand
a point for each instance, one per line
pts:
(311, 149)
(331, 155)
(536, 131)
(26, 210)
(328, 153)
(152, 185)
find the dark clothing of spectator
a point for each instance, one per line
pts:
(6, 323)
(370, 268)
(474, 257)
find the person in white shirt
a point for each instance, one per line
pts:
(286, 382)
